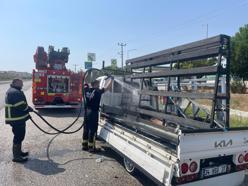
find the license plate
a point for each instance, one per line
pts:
(206, 172)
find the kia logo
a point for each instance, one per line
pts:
(223, 143)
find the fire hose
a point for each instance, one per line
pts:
(64, 131)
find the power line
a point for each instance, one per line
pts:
(128, 51)
(206, 29)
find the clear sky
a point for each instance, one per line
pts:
(98, 25)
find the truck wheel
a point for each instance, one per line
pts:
(129, 166)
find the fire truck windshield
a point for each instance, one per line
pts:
(58, 84)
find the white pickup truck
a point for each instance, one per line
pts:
(202, 158)
(172, 142)
(192, 158)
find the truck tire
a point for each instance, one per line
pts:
(129, 166)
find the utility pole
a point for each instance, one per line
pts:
(75, 65)
(103, 64)
(122, 45)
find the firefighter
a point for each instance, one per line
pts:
(16, 115)
(93, 98)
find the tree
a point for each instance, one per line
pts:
(115, 70)
(239, 56)
(197, 63)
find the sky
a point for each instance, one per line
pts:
(97, 26)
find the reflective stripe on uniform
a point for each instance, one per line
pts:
(91, 144)
(9, 113)
(85, 141)
(94, 141)
(17, 118)
(16, 104)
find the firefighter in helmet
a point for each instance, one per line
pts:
(93, 98)
(16, 115)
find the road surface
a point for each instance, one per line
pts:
(4, 87)
(59, 160)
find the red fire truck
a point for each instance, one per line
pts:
(54, 86)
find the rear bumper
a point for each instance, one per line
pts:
(56, 106)
(233, 179)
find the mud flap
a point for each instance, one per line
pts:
(168, 174)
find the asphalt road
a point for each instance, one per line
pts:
(59, 160)
(4, 87)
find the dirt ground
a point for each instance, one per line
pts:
(238, 102)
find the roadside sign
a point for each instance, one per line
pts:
(114, 63)
(88, 64)
(91, 57)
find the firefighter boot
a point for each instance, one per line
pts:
(93, 148)
(85, 145)
(24, 154)
(17, 154)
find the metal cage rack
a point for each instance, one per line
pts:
(168, 64)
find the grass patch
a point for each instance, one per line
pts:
(237, 121)
(237, 101)
(201, 113)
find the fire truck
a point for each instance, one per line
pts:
(55, 86)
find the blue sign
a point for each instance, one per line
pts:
(87, 64)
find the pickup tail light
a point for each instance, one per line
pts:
(189, 168)
(242, 162)
(188, 171)
(193, 166)
(246, 157)
(184, 168)
(241, 158)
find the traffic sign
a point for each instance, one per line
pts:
(88, 64)
(91, 57)
(114, 63)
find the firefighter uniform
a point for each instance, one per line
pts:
(16, 115)
(93, 98)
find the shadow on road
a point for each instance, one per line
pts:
(143, 179)
(60, 113)
(63, 152)
(44, 167)
(49, 167)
